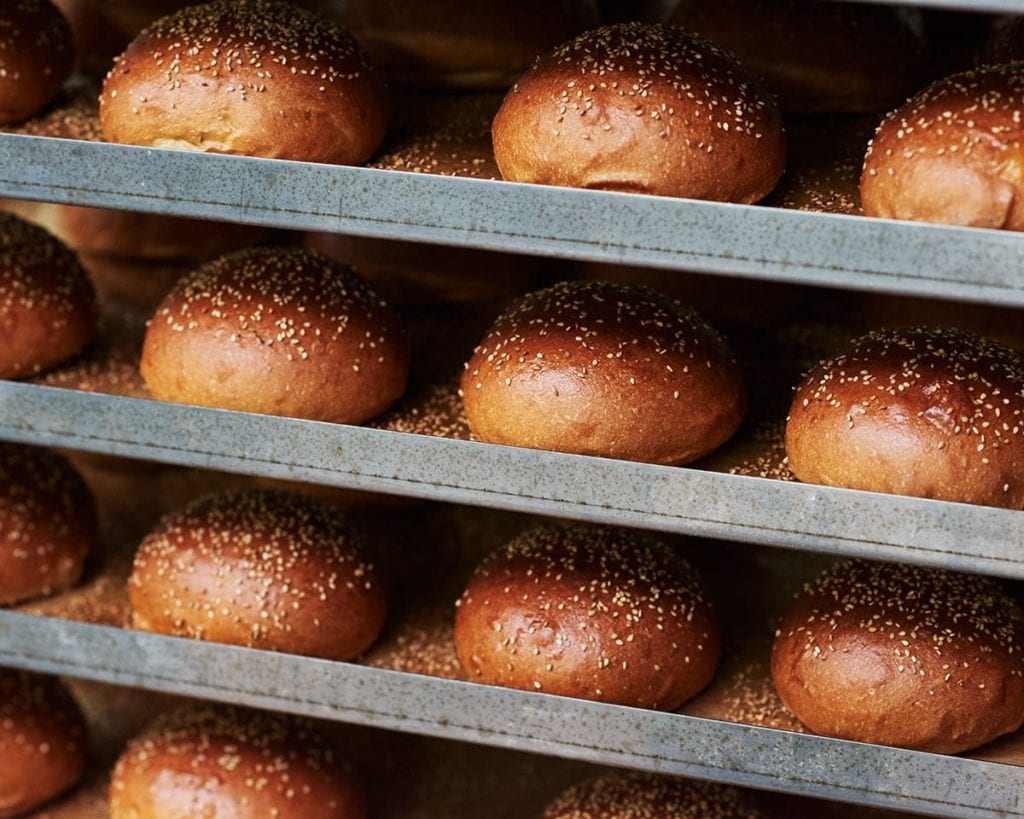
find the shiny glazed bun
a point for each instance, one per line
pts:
(818, 57)
(463, 43)
(635, 795)
(255, 77)
(604, 369)
(214, 761)
(262, 569)
(47, 305)
(43, 741)
(953, 154)
(36, 56)
(645, 108)
(920, 411)
(281, 331)
(589, 612)
(47, 523)
(901, 655)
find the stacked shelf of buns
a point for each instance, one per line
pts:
(737, 731)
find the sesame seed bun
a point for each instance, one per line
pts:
(43, 741)
(953, 154)
(462, 43)
(901, 655)
(261, 569)
(818, 57)
(47, 523)
(604, 369)
(281, 331)
(260, 78)
(47, 305)
(589, 612)
(644, 108)
(636, 795)
(207, 760)
(36, 56)
(933, 413)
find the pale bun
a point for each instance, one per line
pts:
(213, 760)
(273, 81)
(36, 56)
(47, 523)
(818, 57)
(643, 108)
(901, 655)
(604, 369)
(590, 612)
(934, 413)
(954, 154)
(43, 741)
(280, 331)
(462, 43)
(262, 569)
(638, 795)
(47, 304)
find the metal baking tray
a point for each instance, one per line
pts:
(671, 499)
(752, 241)
(556, 726)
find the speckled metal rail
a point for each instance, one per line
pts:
(672, 499)
(557, 726)
(751, 241)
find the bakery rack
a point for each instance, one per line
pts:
(747, 241)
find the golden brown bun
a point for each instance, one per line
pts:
(262, 569)
(47, 523)
(36, 56)
(282, 331)
(589, 612)
(417, 273)
(260, 78)
(954, 154)
(901, 655)
(645, 108)
(604, 369)
(933, 413)
(463, 43)
(208, 760)
(818, 57)
(47, 305)
(43, 742)
(635, 795)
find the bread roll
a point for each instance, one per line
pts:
(262, 569)
(222, 761)
(604, 369)
(589, 612)
(920, 411)
(954, 154)
(47, 305)
(259, 77)
(43, 741)
(901, 655)
(281, 331)
(47, 523)
(644, 108)
(36, 56)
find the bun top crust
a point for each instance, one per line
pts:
(645, 108)
(953, 154)
(256, 77)
(36, 56)
(903, 655)
(935, 413)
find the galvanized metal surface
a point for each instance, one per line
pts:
(760, 242)
(666, 743)
(957, 536)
